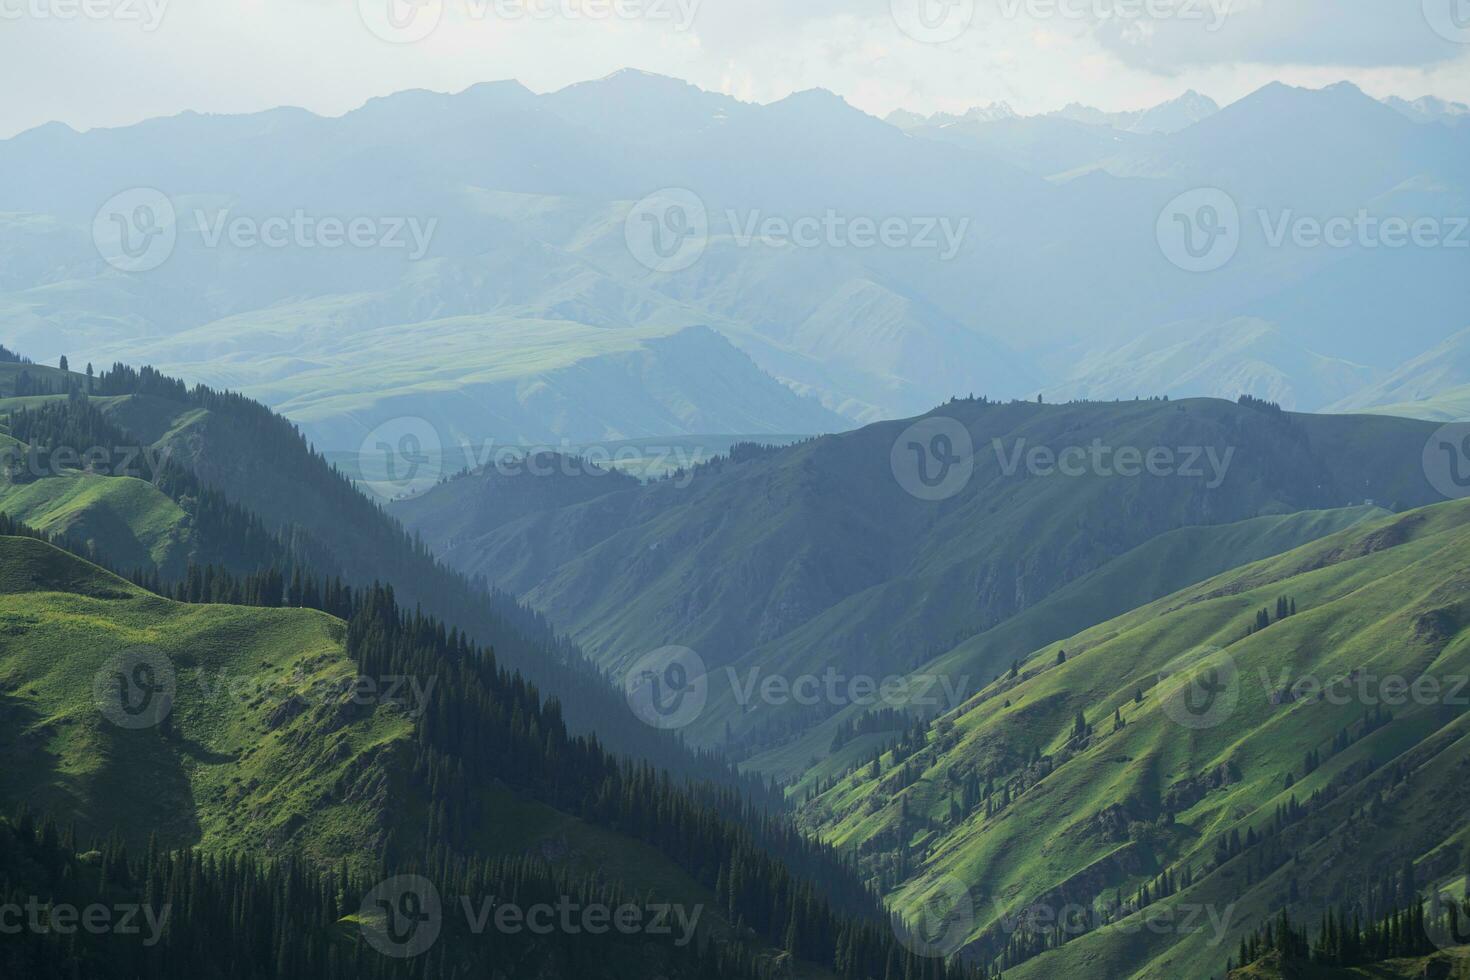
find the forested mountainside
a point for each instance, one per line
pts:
(795, 560)
(195, 476)
(257, 766)
(1288, 736)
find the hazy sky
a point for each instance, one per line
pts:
(106, 62)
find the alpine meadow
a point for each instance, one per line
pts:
(735, 490)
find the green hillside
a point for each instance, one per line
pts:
(1301, 804)
(1161, 566)
(225, 481)
(1441, 966)
(273, 732)
(131, 521)
(1450, 405)
(813, 556)
(234, 771)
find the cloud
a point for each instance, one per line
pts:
(1344, 33)
(1037, 54)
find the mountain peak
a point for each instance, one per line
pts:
(638, 74)
(905, 119)
(504, 86)
(1429, 109)
(814, 96)
(635, 80)
(992, 112)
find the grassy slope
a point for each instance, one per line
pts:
(814, 556)
(1387, 597)
(130, 521)
(1163, 565)
(1450, 405)
(1440, 966)
(489, 375)
(324, 784)
(260, 463)
(226, 779)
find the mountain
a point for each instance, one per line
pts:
(1416, 385)
(1449, 964)
(499, 297)
(1159, 567)
(1241, 357)
(1261, 148)
(1430, 109)
(191, 479)
(792, 561)
(1176, 114)
(1270, 154)
(1087, 779)
(1060, 142)
(1042, 145)
(994, 112)
(1450, 405)
(1167, 117)
(509, 286)
(274, 732)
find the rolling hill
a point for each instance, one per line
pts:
(1431, 386)
(292, 735)
(1222, 361)
(1160, 566)
(792, 561)
(1091, 780)
(237, 486)
(529, 318)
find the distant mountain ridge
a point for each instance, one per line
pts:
(812, 556)
(1167, 117)
(1012, 250)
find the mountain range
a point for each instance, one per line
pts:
(941, 547)
(1025, 253)
(797, 560)
(1032, 748)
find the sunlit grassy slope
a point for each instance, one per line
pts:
(233, 771)
(1165, 564)
(1107, 813)
(230, 772)
(266, 751)
(1447, 965)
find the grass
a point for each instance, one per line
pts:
(224, 775)
(815, 557)
(1162, 565)
(1440, 966)
(1452, 405)
(1386, 597)
(231, 771)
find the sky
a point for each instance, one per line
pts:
(91, 63)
